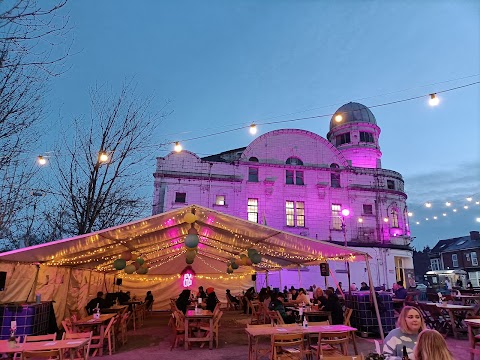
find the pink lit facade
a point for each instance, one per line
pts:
(297, 181)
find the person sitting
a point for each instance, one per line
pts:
(201, 293)
(98, 302)
(276, 304)
(469, 285)
(319, 297)
(232, 299)
(400, 292)
(431, 345)
(183, 301)
(302, 297)
(148, 300)
(333, 305)
(410, 322)
(364, 286)
(294, 293)
(337, 290)
(212, 299)
(353, 287)
(249, 295)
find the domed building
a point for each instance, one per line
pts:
(297, 181)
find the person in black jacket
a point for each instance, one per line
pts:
(212, 299)
(183, 301)
(99, 300)
(333, 305)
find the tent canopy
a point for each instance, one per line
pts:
(159, 239)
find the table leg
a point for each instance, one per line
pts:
(211, 335)
(452, 321)
(471, 341)
(102, 340)
(185, 342)
(354, 341)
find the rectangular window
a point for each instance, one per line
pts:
(335, 180)
(289, 177)
(367, 209)
(474, 277)
(300, 214)
(343, 139)
(366, 137)
(394, 218)
(253, 210)
(336, 217)
(435, 264)
(473, 256)
(391, 184)
(299, 178)
(220, 200)
(454, 260)
(180, 197)
(290, 212)
(252, 174)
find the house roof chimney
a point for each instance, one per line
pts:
(474, 235)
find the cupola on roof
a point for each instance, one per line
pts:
(352, 113)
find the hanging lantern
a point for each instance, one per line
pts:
(140, 260)
(126, 255)
(257, 258)
(238, 262)
(119, 264)
(142, 270)
(234, 266)
(248, 262)
(134, 257)
(229, 270)
(191, 241)
(192, 231)
(129, 269)
(189, 261)
(251, 252)
(190, 218)
(190, 255)
(136, 265)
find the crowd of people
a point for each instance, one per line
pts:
(104, 301)
(186, 298)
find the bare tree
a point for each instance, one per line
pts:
(96, 193)
(27, 33)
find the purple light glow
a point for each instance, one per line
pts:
(345, 212)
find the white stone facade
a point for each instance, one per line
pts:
(297, 181)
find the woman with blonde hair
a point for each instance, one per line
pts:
(410, 322)
(431, 345)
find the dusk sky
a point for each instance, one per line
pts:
(226, 64)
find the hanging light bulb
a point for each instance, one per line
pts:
(103, 157)
(469, 199)
(434, 100)
(428, 205)
(410, 214)
(444, 214)
(418, 223)
(465, 207)
(177, 147)
(253, 129)
(338, 118)
(448, 203)
(41, 160)
(477, 202)
(360, 220)
(435, 218)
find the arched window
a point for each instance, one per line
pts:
(253, 159)
(394, 214)
(294, 161)
(334, 166)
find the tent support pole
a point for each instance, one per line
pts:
(266, 278)
(280, 278)
(299, 276)
(373, 294)
(68, 291)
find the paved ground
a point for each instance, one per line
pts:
(154, 340)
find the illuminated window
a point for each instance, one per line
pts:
(454, 260)
(343, 139)
(435, 264)
(366, 137)
(253, 174)
(220, 200)
(335, 180)
(295, 213)
(253, 210)
(336, 216)
(180, 197)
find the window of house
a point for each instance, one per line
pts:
(294, 161)
(252, 174)
(454, 260)
(295, 213)
(335, 180)
(467, 256)
(294, 177)
(391, 184)
(180, 197)
(394, 214)
(299, 178)
(343, 139)
(474, 277)
(289, 177)
(220, 200)
(473, 256)
(334, 166)
(336, 217)
(435, 264)
(367, 209)
(366, 137)
(253, 210)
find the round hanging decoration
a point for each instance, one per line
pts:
(257, 258)
(140, 260)
(191, 241)
(242, 256)
(135, 265)
(251, 252)
(234, 266)
(248, 262)
(134, 257)
(244, 260)
(190, 255)
(129, 269)
(189, 261)
(229, 270)
(142, 270)
(119, 264)
(190, 218)
(126, 255)
(192, 231)
(238, 262)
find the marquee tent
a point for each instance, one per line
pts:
(70, 271)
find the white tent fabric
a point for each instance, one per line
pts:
(70, 271)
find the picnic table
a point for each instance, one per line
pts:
(456, 314)
(116, 309)
(468, 299)
(200, 314)
(472, 324)
(72, 344)
(311, 312)
(91, 322)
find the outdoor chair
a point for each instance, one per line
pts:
(328, 342)
(231, 305)
(178, 327)
(49, 354)
(347, 316)
(82, 354)
(98, 341)
(288, 346)
(35, 338)
(255, 310)
(313, 338)
(122, 334)
(216, 322)
(256, 350)
(67, 325)
(149, 307)
(275, 318)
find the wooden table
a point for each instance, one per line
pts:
(132, 304)
(71, 344)
(454, 311)
(116, 309)
(192, 315)
(254, 332)
(468, 299)
(89, 321)
(313, 313)
(472, 324)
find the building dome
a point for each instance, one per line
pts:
(353, 113)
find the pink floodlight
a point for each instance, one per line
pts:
(345, 212)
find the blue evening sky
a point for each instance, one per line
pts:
(224, 64)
